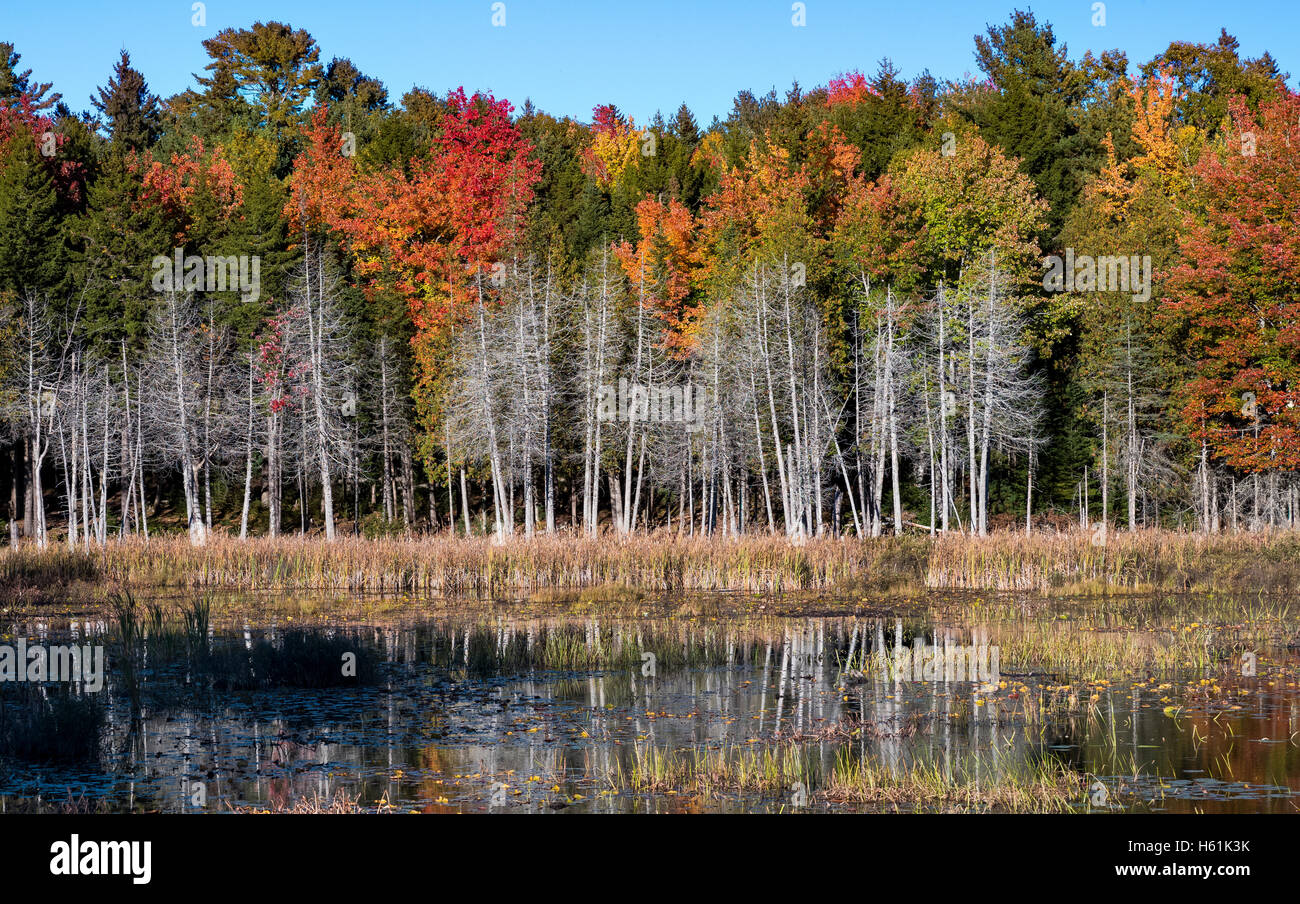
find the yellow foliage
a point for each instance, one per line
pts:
(614, 151)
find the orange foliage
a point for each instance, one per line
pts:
(661, 267)
(180, 185)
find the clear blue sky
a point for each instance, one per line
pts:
(569, 55)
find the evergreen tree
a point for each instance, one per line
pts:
(1210, 75)
(1027, 107)
(30, 251)
(276, 64)
(14, 85)
(130, 110)
(118, 237)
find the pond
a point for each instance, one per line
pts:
(709, 704)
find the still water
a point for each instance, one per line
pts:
(1166, 706)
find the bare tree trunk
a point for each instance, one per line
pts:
(1029, 491)
(945, 467)
(464, 502)
(315, 333)
(499, 503)
(929, 442)
(1105, 465)
(103, 471)
(248, 456)
(973, 481)
(987, 424)
(1131, 458)
(128, 459)
(407, 486)
(893, 423)
(16, 466)
(189, 468)
(139, 452)
(273, 473)
(783, 470)
(207, 422)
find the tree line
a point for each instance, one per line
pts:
(1063, 293)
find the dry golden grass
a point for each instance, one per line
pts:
(662, 563)
(339, 803)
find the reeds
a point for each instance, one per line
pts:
(793, 774)
(339, 803)
(1141, 561)
(974, 782)
(662, 563)
(129, 633)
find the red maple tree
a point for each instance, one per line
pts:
(1234, 299)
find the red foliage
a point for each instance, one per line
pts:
(661, 267)
(189, 182)
(1234, 295)
(851, 89)
(68, 176)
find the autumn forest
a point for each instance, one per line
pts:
(1060, 295)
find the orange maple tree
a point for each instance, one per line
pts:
(661, 267)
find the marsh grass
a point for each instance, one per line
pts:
(29, 576)
(80, 805)
(127, 633)
(793, 772)
(197, 617)
(664, 563)
(1144, 561)
(977, 782)
(339, 803)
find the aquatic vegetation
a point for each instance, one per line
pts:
(991, 782)
(792, 771)
(30, 576)
(337, 803)
(1144, 561)
(681, 702)
(128, 642)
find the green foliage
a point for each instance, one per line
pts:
(131, 112)
(117, 238)
(31, 254)
(1210, 75)
(1031, 108)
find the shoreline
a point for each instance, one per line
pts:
(1057, 564)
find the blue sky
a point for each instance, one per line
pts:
(643, 56)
